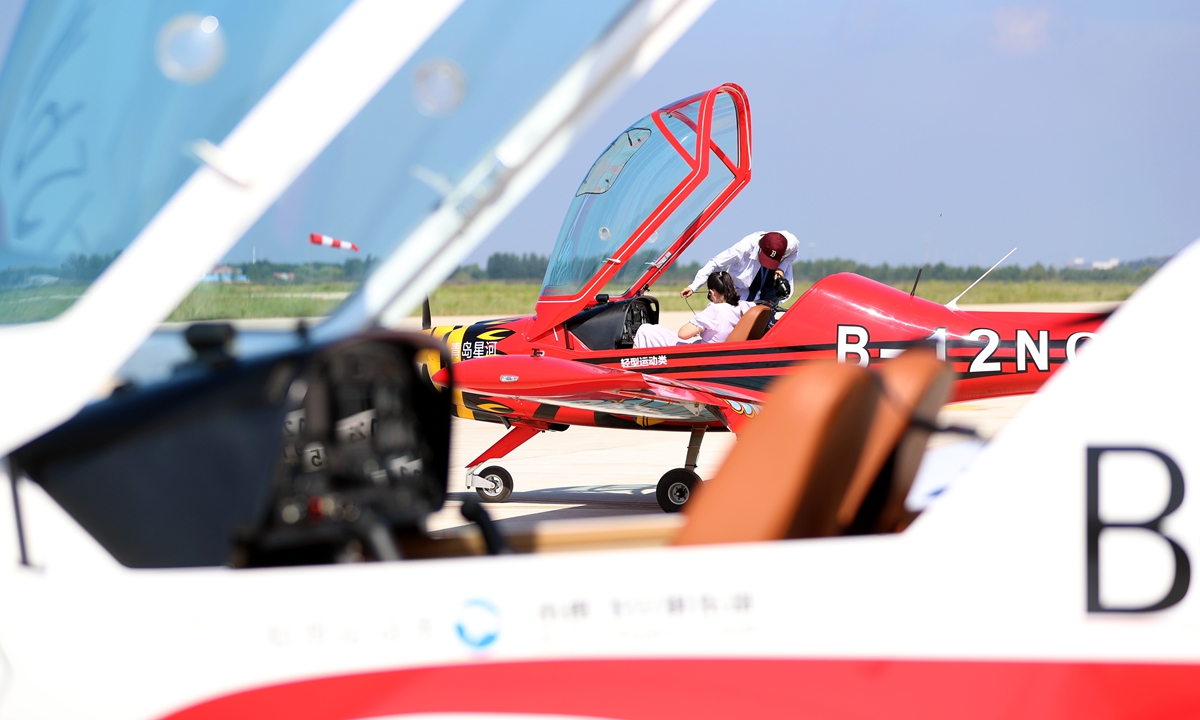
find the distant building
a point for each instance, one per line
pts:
(225, 273)
(1105, 264)
(40, 280)
(1077, 263)
(286, 277)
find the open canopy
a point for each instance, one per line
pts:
(645, 199)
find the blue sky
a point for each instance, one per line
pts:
(1066, 129)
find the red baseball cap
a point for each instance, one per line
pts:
(771, 248)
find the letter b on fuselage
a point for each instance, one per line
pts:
(1095, 526)
(852, 340)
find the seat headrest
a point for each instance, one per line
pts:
(752, 326)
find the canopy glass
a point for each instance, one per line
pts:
(647, 196)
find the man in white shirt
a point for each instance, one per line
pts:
(754, 262)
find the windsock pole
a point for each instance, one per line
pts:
(326, 241)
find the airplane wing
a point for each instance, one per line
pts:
(562, 382)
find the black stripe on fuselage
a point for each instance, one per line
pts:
(545, 412)
(717, 353)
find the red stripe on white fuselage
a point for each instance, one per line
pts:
(727, 688)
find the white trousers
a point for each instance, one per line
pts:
(657, 336)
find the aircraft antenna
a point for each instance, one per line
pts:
(426, 320)
(14, 473)
(953, 304)
(914, 290)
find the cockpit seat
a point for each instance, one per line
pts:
(753, 324)
(789, 471)
(834, 452)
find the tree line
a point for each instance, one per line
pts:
(76, 269)
(505, 266)
(82, 269)
(79, 269)
(530, 266)
(265, 272)
(1132, 271)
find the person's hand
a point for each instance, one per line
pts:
(778, 273)
(687, 292)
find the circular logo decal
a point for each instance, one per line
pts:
(478, 623)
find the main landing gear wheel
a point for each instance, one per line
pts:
(504, 486)
(675, 488)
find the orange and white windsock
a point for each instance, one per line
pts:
(319, 239)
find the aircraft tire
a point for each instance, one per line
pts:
(506, 485)
(675, 488)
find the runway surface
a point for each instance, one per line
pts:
(587, 472)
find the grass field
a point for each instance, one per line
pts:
(229, 302)
(943, 291)
(501, 299)
(23, 305)
(216, 301)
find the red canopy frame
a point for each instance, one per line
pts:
(551, 311)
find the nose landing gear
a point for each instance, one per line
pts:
(493, 484)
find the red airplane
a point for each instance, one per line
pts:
(643, 202)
